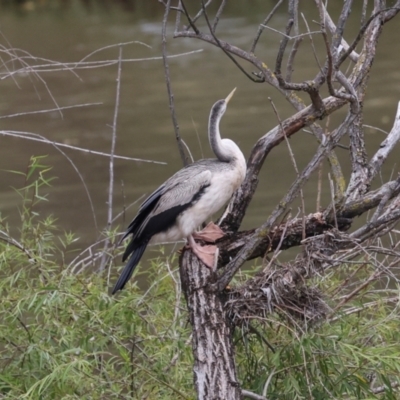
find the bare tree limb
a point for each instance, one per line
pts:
(191, 23)
(261, 26)
(361, 33)
(184, 157)
(332, 28)
(111, 166)
(218, 15)
(257, 80)
(385, 148)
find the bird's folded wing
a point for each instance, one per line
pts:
(184, 191)
(169, 200)
(178, 195)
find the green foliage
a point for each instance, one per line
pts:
(353, 355)
(62, 336)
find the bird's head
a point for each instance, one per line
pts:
(219, 108)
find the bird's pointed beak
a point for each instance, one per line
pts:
(230, 96)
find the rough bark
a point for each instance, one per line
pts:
(214, 368)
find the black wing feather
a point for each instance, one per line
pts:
(145, 209)
(130, 267)
(160, 222)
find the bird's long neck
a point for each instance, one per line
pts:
(222, 152)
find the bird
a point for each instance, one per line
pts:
(186, 200)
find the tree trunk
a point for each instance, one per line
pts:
(214, 364)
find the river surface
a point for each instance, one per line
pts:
(144, 129)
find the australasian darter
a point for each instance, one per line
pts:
(187, 199)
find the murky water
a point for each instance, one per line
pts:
(144, 128)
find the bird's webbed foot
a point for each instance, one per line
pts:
(210, 234)
(208, 254)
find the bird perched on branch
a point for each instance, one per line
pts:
(187, 199)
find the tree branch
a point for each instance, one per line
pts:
(262, 26)
(178, 138)
(385, 148)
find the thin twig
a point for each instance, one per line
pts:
(11, 241)
(281, 52)
(49, 110)
(111, 165)
(191, 23)
(364, 12)
(38, 138)
(377, 273)
(87, 65)
(113, 141)
(312, 42)
(168, 83)
(293, 159)
(344, 15)
(201, 11)
(333, 196)
(360, 36)
(257, 80)
(293, 14)
(263, 25)
(218, 15)
(329, 69)
(332, 28)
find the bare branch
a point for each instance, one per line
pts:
(113, 141)
(38, 138)
(338, 35)
(200, 13)
(385, 147)
(263, 230)
(218, 15)
(241, 198)
(358, 182)
(312, 87)
(262, 26)
(168, 82)
(13, 242)
(257, 80)
(191, 23)
(332, 28)
(361, 34)
(111, 166)
(22, 114)
(388, 15)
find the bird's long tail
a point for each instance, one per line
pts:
(130, 267)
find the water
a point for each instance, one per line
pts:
(144, 128)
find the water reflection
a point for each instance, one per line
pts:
(72, 30)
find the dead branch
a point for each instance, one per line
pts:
(315, 224)
(184, 157)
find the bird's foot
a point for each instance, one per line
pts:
(208, 254)
(209, 234)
